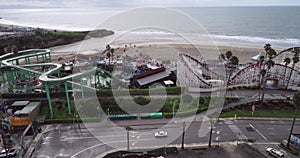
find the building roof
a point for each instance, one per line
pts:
(20, 103)
(168, 82)
(149, 72)
(152, 78)
(28, 109)
(256, 57)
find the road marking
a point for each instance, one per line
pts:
(254, 96)
(228, 122)
(257, 131)
(106, 143)
(270, 128)
(134, 143)
(237, 132)
(272, 133)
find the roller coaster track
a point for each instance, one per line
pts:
(190, 74)
(46, 76)
(240, 76)
(204, 67)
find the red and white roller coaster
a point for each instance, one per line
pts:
(192, 73)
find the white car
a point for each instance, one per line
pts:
(10, 153)
(275, 153)
(161, 134)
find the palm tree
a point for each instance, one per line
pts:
(296, 100)
(128, 128)
(108, 56)
(270, 53)
(228, 55)
(286, 61)
(260, 61)
(233, 64)
(112, 51)
(295, 59)
(222, 57)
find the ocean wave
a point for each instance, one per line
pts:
(257, 40)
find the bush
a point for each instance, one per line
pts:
(142, 101)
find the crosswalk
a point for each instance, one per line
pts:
(236, 130)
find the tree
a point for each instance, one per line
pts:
(228, 55)
(296, 100)
(128, 128)
(286, 61)
(222, 57)
(260, 62)
(231, 64)
(8, 49)
(108, 56)
(112, 51)
(270, 53)
(295, 59)
(14, 49)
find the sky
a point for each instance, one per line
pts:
(141, 3)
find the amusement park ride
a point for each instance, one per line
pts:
(33, 70)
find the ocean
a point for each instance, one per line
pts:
(245, 26)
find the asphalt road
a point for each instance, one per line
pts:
(72, 141)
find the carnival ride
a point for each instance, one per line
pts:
(32, 70)
(193, 73)
(35, 64)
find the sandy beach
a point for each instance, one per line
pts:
(166, 51)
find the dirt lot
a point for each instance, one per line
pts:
(224, 151)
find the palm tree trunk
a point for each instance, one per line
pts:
(264, 89)
(127, 140)
(291, 131)
(183, 133)
(210, 136)
(287, 85)
(285, 73)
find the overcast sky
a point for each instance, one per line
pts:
(141, 3)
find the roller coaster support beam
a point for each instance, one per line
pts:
(68, 98)
(49, 99)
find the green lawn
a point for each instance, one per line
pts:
(261, 113)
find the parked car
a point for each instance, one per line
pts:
(275, 153)
(161, 134)
(11, 153)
